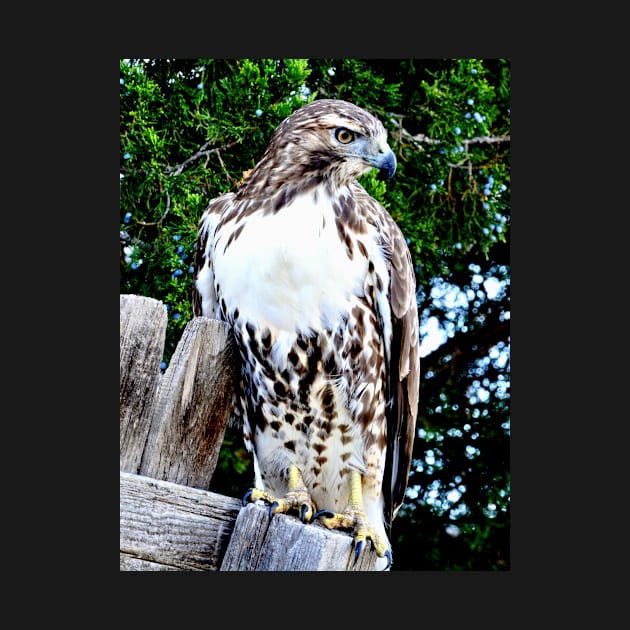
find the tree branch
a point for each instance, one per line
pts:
(203, 152)
(420, 138)
(177, 170)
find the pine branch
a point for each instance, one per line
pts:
(420, 138)
(203, 152)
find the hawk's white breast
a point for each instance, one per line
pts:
(289, 270)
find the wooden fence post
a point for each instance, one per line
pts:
(192, 406)
(142, 336)
(284, 543)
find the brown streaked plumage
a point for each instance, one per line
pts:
(316, 279)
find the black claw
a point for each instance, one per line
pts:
(272, 507)
(326, 513)
(246, 496)
(357, 551)
(303, 513)
(388, 555)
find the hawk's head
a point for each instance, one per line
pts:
(326, 141)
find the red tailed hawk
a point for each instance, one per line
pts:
(317, 282)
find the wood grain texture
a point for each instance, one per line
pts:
(170, 527)
(192, 406)
(142, 336)
(129, 563)
(284, 543)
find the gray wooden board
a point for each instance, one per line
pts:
(173, 525)
(284, 543)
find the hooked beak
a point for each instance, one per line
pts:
(385, 162)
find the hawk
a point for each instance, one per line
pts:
(317, 283)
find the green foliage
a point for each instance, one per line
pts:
(190, 129)
(460, 203)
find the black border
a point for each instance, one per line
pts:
(91, 179)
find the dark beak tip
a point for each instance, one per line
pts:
(386, 164)
(386, 172)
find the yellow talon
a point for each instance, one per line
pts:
(297, 497)
(354, 518)
(256, 493)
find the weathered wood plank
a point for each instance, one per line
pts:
(129, 563)
(283, 543)
(192, 406)
(142, 336)
(169, 527)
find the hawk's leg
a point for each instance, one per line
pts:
(296, 498)
(355, 518)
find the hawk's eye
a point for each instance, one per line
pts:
(344, 135)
